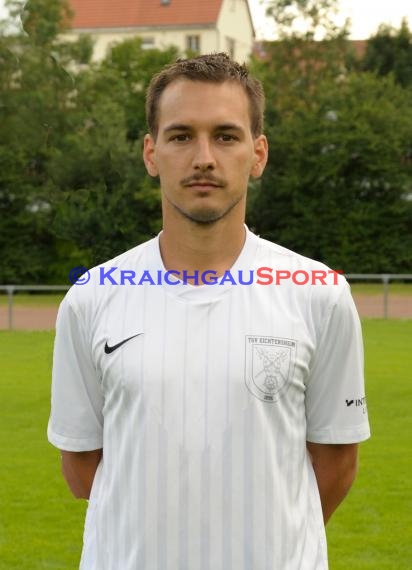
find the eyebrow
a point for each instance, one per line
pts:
(222, 127)
(176, 127)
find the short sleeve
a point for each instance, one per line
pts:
(336, 409)
(76, 419)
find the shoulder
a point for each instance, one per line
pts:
(306, 281)
(303, 270)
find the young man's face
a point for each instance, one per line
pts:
(204, 152)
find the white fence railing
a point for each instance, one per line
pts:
(11, 289)
(384, 278)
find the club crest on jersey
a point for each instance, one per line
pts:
(270, 363)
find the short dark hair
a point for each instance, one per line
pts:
(214, 68)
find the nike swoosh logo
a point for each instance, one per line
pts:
(109, 349)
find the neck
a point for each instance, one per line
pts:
(190, 246)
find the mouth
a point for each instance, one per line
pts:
(203, 184)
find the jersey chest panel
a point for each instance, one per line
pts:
(194, 368)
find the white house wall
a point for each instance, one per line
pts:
(103, 40)
(234, 23)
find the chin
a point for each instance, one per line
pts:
(207, 215)
(204, 216)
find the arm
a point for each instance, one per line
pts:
(79, 469)
(76, 419)
(335, 468)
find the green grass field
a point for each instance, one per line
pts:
(41, 525)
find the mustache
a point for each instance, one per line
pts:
(204, 178)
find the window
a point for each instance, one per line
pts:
(230, 47)
(148, 43)
(193, 43)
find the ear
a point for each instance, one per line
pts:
(261, 156)
(149, 155)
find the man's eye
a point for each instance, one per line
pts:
(226, 138)
(180, 138)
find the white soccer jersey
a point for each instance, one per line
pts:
(203, 413)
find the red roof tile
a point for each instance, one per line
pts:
(133, 13)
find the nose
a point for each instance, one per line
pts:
(203, 158)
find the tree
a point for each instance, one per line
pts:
(43, 20)
(73, 189)
(338, 186)
(306, 19)
(105, 201)
(309, 49)
(390, 51)
(34, 93)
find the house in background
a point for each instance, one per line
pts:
(203, 26)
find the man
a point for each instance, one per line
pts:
(212, 426)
